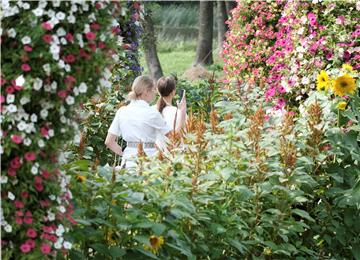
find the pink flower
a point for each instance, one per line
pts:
(19, 204)
(27, 48)
(90, 36)
(136, 5)
(2, 99)
(47, 229)
(115, 30)
(45, 174)
(45, 248)
(9, 90)
(18, 221)
(44, 131)
(95, 26)
(28, 221)
(69, 58)
(44, 203)
(39, 187)
(340, 20)
(46, 26)
(38, 179)
(28, 214)
(30, 242)
(16, 139)
(101, 45)
(25, 194)
(19, 213)
(92, 46)
(69, 37)
(25, 67)
(47, 38)
(30, 156)
(62, 94)
(11, 172)
(25, 248)
(31, 233)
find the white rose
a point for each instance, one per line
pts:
(56, 3)
(80, 39)
(21, 126)
(54, 49)
(52, 197)
(58, 245)
(73, 8)
(63, 41)
(76, 91)
(26, 6)
(51, 132)
(54, 85)
(47, 69)
(51, 216)
(61, 64)
(3, 179)
(63, 119)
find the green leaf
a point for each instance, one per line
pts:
(116, 252)
(101, 248)
(303, 214)
(239, 246)
(142, 239)
(356, 251)
(158, 228)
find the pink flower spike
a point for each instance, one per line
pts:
(45, 248)
(30, 156)
(16, 139)
(46, 26)
(28, 48)
(25, 248)
(25, 67)
(31, 233)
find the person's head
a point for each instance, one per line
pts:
(166, 87)
(143, 88)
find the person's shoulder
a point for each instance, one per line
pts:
(169, 109)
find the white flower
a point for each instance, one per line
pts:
(76, 91)
(43, 113)
(60, 16)
(305, 80)
(62, 109)
(42, 4)
(115, 57)
(54, 21)
(67, 245)
(38, 11)
(41, 143)
(61, 32)
(47, 68)
(83, 87)
(37, 83)
(56, 3)
(50, 13)
(63, 41)
(73, 8)
(102, 37)
(61, 64)
(26, 6)
(26, 40)
(106, 73)
(54, 85)
(52, 197)
(54, 48)
(51, 132)
(62, 209)
(87, 28)
(11, 196)
(56, 56)
(11, 108)
(8, 228)
(51, 216)
(33, 118)
(357, 5)
(3, 179)
(303, 19)
(24, 100)
(12, 33)
(34, 170)
(70, 100)
(63, 119)
(20, 80)
(85, 7)
(60, 230)
(71, 18)
(105, 83)
(27, 141)
(30, 128)
(58, 245)
(21, 126)
(10, 98)
(67, 68)
(80, 39)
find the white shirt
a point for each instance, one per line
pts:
(138, 122)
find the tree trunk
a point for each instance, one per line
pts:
(229, 6)
(222, 26)
(204, 45)
(149, 43)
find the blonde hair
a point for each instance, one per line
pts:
(139, 86)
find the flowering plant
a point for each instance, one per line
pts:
(55, 59)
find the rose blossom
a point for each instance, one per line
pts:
(30, 242)
(47, 38)
(28, 220)
(90, 36)
(16, 139)
(25, 67)
(25, 248)
(39, 187)
(30, 156)
(31, 233)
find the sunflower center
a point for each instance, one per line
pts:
(343, 84)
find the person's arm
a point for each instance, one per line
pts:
(111, 143)
(182, 114)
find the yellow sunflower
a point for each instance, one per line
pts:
(341, 105)
(347, 67)
(344, 85)
(323, 81)
(80, 178)
(156, 243)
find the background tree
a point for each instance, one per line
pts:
(149, 43)
(222, 26)
(204, 45)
